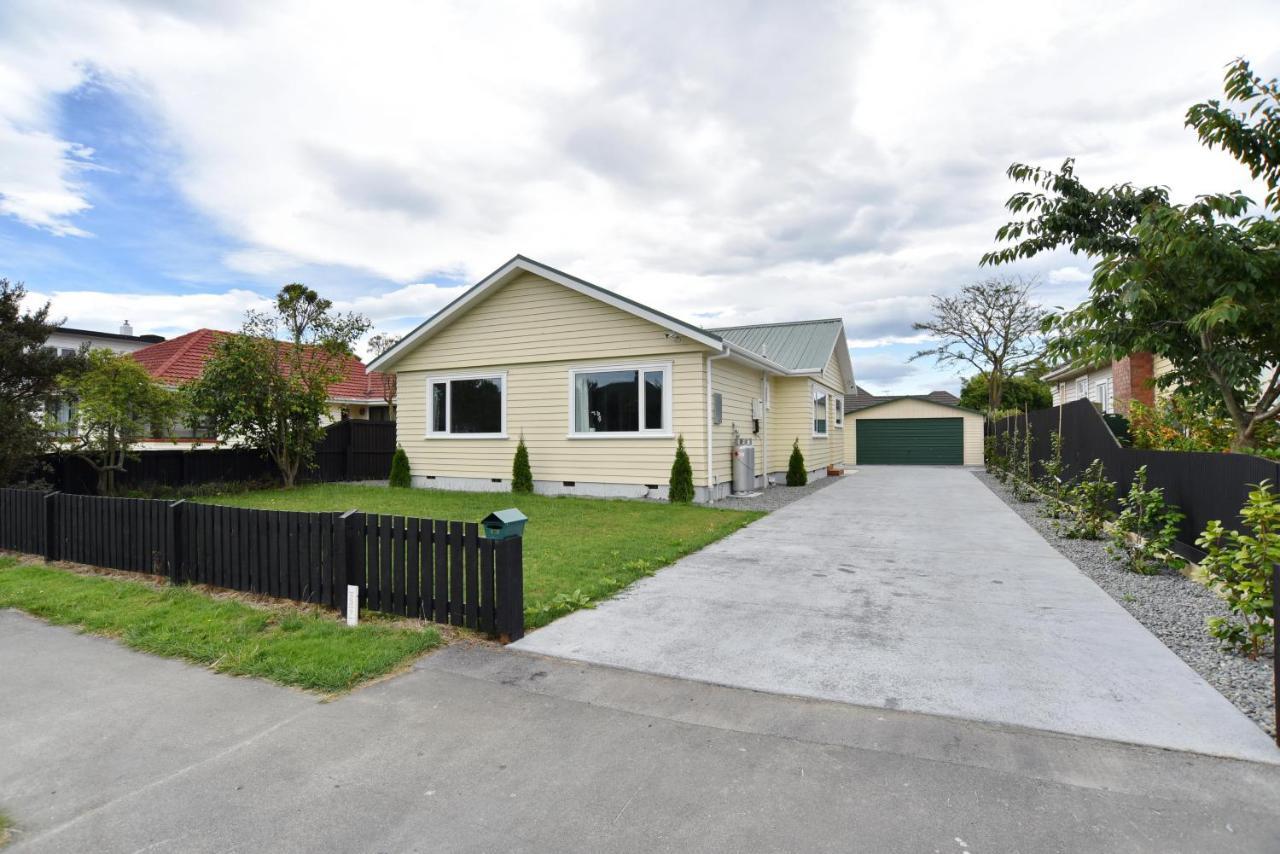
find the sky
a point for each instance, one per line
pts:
(174, 164)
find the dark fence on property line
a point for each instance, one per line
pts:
(350, 450)
(430, 569)
(1204, 486)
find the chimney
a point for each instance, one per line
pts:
(126, 329)
(1131, 379)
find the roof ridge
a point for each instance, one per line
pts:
(781, 323)
(180, 350)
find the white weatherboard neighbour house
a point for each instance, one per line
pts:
(600, 386)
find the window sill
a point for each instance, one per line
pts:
(466, 436)
(820, 435)
(620, 435)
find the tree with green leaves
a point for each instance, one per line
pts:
(797, 474)
(118, 405)
(680, 487)
(1025, 391)
(1197, 283)
(29, 379)
(992, 326)
(380, 344)
(272, 394)
(400, 475)
(521, 472)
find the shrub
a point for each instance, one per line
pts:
(521, 473)
(680, 489)
(1239, 567)
(1090, 499)
(797, 474)
(1053, 482)
(1146, 528)
(1023, 484)
(400, 469)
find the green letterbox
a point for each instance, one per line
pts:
(504, 524)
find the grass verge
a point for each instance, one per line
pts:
(6, 825)
(576, 550)
(292, 646)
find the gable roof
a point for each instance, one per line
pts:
(182, 359)
(519, 265)
(863, 399)
(824, 335)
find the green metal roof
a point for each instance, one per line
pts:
(803, 345)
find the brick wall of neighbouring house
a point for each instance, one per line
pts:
(1132, 377)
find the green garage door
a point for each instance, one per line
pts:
(911, 441)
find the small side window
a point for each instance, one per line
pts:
(717, 408)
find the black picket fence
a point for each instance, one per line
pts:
(351, 450)
(430, 569)
(1203, 486)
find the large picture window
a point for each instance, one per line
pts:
(620, 400)
(819, 411)
(468, 406)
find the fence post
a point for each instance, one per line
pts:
(51, 550)
(510, 578)
(350, 548)
(173, 546)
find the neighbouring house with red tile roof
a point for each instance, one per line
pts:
(358, 395)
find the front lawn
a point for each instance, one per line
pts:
(292, 645)
(576, 550)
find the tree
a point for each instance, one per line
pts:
(29, 374)
(1020, 392)
(991, 325)
(1196, 283)
(797, 474)
(118, 405)
(380, 344)
(521, 473)
(400, 474)
(273, 395)
(680, 487)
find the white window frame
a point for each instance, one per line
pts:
(664, 432)
(1082, 388)
(837, 406)
(814, 388)
(447, 379)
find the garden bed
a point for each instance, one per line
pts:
(1171, 606)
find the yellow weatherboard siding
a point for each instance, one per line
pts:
(791, 418)
(739, 385)
(536, 331)
(913, 408)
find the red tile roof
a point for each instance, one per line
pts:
(182, 359)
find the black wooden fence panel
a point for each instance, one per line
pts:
(1204, 486)
(22, 520)
(422, 568)
(350, 450)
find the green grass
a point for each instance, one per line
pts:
(576, 550)
(292, 646)
(6, 824)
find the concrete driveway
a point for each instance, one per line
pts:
(910, 588)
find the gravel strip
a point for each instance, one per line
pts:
(1171, 606)
(775, 497)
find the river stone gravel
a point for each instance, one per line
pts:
(1171, 606)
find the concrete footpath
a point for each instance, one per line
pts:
(915, 588)
(480, 749)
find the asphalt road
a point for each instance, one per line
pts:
(481, 749)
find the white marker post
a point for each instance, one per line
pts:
(353, 604)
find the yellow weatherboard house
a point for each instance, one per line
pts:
(600, 387)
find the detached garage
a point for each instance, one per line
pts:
(925, 431)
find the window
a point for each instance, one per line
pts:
(838, 403)
(717, 408)
(620, 400)
(1082, 388)
(819, 411)
(1102, 395)
(467, 406)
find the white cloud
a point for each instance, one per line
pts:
(728, 162)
